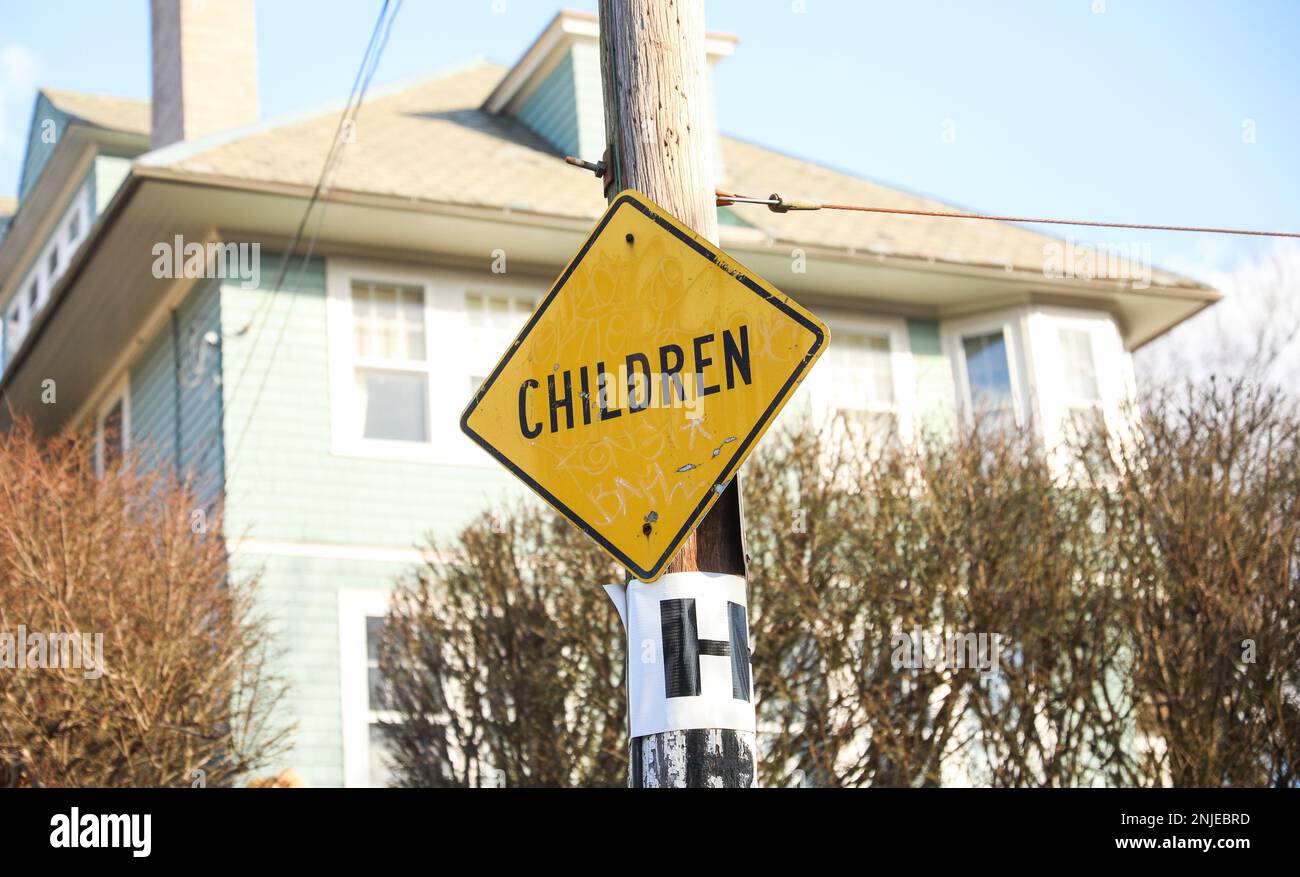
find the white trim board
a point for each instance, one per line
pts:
(354, 607)
(326, 551)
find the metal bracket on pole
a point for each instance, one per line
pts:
(599, 168)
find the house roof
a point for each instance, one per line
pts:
(427, 140)
(125, 114)
(430, 167)
(432, 141)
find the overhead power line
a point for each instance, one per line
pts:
(327, 167)
(777, 204)
(333, 158)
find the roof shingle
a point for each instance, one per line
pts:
(129, 115)
(432, 141)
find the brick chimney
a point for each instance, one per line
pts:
(204, 68)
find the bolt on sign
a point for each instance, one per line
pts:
(642, 382)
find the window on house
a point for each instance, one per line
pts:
(1083, 408)
(33, 296)
(74, 229)
(366, 699)
(988, 376)
(377, 705)
(494, 321)
(54, 262)
(113, 440)
(14, 326)
(862, 382)
(1080, 368)
(112, 432)
(392, 374)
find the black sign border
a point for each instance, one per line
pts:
(728, 471)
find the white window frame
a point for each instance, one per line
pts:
(902, 370)
(1113, 364)
(355, 607)
(347, 421)
(80, 211)
(40, 274)
(13, 338)
(449, 352)
(1010, 324)
(489, 354)
(1070, 403)
(121, 392)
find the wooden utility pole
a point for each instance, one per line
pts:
(661, 143)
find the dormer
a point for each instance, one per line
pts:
(555, 88)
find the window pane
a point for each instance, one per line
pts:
(861, 371)
(493, 321)
(362, 317)
(112, 436)
(383, 320)
(395, 405)
(987, 371)
(881, 381)
(412, 315)
(380, 773)
(377, 696)
(476, 309)
(499, 313)
(374, 627)
(14, 327)
(389, 320)
(1080, 368)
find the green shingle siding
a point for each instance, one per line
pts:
(936, 403)
(285, 482)
(567, 108)
(175, 400)
(40, 146)
(589, 96)
(300, 596)
(551, 110)
(152, 403)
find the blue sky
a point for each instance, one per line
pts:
(1125, 110)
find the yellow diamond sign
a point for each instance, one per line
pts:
(642, 382)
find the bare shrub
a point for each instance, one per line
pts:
(1121, 578)
(1207, 524)
(504, 660)
(185, 683)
